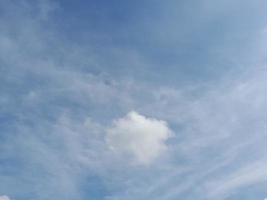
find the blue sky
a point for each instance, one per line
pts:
(133, 100)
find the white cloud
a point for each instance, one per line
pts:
(138, 136)
(4, 197)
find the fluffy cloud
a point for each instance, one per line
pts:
(138, 136)
(4, 197)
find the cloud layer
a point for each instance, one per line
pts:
(4, 197)
(70, 70)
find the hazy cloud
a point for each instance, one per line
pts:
(4, 197)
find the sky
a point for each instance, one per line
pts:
(133, 100)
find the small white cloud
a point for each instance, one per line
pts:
(4, 197)
(138, 136)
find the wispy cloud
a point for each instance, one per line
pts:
(63, 99)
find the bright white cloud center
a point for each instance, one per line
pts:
(138, 136)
